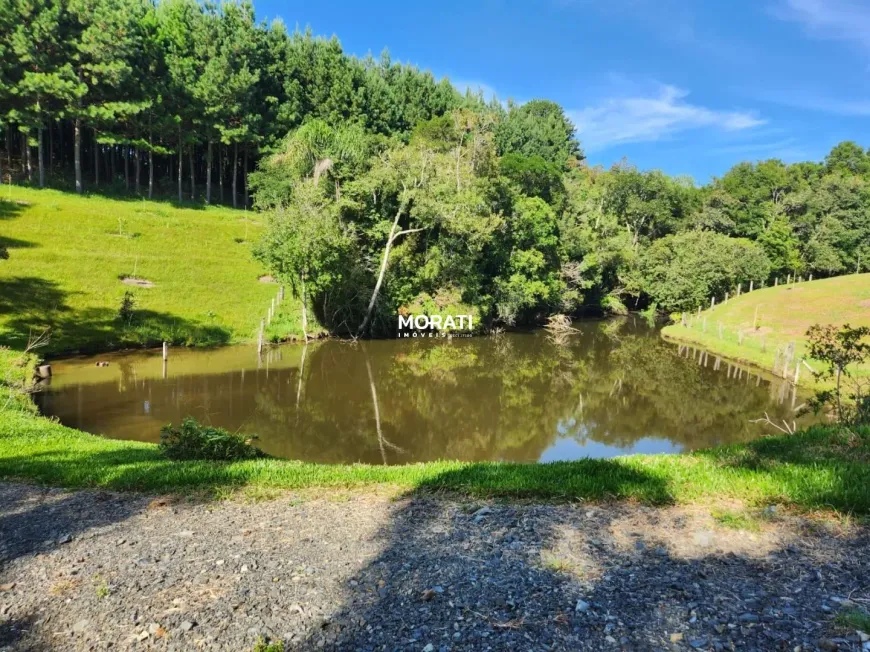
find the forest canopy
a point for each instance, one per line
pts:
(387, 190)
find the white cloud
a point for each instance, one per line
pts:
(811, 99)
(756, 148)
(638, 118)
(842, 20)
(787, 149)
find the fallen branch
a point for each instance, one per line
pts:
(785, 428)
(560, 324)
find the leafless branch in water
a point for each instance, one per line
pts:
(786, 427)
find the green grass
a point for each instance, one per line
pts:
(68, 254)
(264, 646)
(818, 468)
(784, 315)
(737, 520)
(854, 618)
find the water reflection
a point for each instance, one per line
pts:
(613, 388)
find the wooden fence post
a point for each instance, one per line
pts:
(788, 356)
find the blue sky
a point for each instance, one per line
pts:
(686, 86)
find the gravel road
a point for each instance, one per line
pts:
(92, 570)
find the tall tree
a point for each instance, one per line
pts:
(539, 128)
(45, 81)
(105, 40)
(180, 24)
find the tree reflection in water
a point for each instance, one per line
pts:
(613, 387)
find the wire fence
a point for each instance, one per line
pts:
(784, 358)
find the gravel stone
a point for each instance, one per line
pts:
(417, 573)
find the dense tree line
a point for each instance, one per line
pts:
(387, 190)
(182, 93)
(491, 211)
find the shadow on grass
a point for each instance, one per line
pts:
(118, 192)
(9, 209)
(785, 470)
(35, 304)
(15, 243)
(145, 469)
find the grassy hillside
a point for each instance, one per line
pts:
(68, 256)
(784, 315)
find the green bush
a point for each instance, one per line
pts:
(682, 272)
(16, 380)
(194, 441)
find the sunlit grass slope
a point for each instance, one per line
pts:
(784, 315)
(68, 255)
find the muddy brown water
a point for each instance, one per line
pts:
(612, 388)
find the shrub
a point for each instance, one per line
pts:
(841, 348)
(194, 441)
(682, 272)
(16, 370)
(127, 309)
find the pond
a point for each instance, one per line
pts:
(612, 388)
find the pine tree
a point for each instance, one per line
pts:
(105, 40)
(43, 81)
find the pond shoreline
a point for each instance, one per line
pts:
(607, 388)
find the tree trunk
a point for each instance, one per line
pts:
(50, 147)
(245, 177)
(96, 161)
(221, 171)
(180, 161)
(28, 165)
(126, 168)
(208, 175)
(41, 164)
(112, 169)
(192, 174)
(77, 147)
(383, 270)
(150, 174)
(61, 152)
(150, 160)
(136, 170)
(235, 174)
(9, 150)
